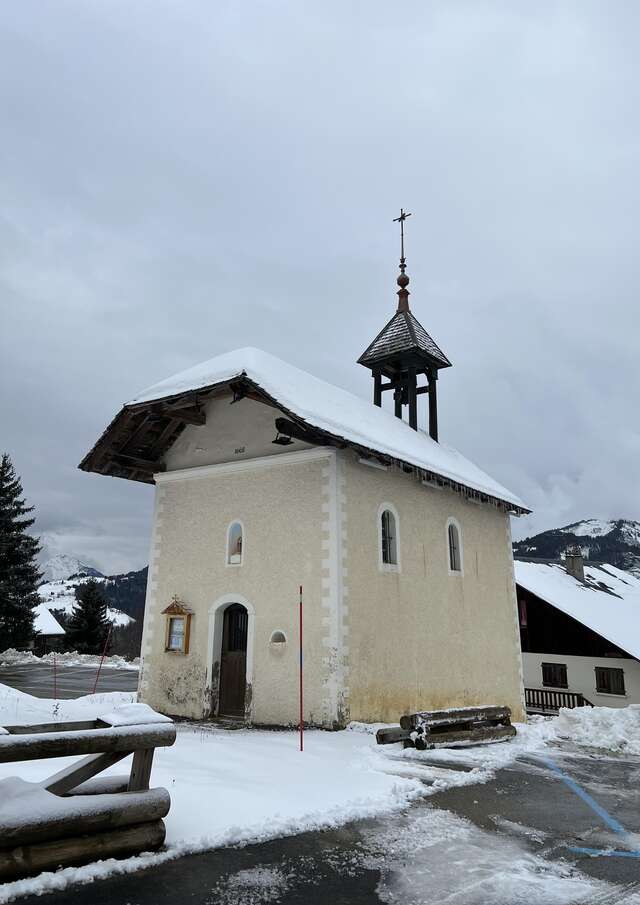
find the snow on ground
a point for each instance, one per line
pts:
(613, 729)
(252, 785)
(13, 657)
(456, 861)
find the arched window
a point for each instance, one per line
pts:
(388, 538)
(455, 547)
(234, 544)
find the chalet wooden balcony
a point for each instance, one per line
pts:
(547, 700)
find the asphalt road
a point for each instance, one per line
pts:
(507, 841)
(37, 679)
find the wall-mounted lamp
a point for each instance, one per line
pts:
(282, 440)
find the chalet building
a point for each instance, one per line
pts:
(267, 478)
(49, 634)
(580, 633)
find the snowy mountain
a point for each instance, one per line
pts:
(616, 541)
(63, 566)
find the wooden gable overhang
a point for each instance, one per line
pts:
(134, 444)
(177, 608)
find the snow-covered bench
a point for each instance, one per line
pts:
(72, 817)
(448, 728)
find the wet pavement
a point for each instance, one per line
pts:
(509, 840)
(38, 680)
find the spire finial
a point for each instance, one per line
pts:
(403, 279)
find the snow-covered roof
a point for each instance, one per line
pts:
(607, 602)
(332, 409)
(44, 622)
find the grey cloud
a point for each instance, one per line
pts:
(181, 179)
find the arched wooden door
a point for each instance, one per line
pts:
(233, 661)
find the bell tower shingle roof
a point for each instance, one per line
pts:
(403, 334)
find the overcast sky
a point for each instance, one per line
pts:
(182, 178)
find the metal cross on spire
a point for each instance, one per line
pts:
(403, 279)
(403, 216)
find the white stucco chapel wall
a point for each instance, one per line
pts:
(378, 642)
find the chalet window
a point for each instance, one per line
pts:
(178, 627)
(609, 680)
(455, 551)
(234, 544)
(522, 610)
(388, 537)
(554, 675)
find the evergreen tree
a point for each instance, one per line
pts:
(88, 626)
(19, 573)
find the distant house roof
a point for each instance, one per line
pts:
(45, 623)
(403, 333)
(607, 602)
(344, 419)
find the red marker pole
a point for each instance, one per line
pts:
(301, 681)
(55, 680)
(104, 653)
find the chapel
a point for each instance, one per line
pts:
(268, 479)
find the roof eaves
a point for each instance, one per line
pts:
(430, 475)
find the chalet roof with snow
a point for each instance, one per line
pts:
(134, 443)
(45, 623)
(607, 601)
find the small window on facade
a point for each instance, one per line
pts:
(455, 559)
(554, 675)
(389, 541)
(609, 680)
(234, 551)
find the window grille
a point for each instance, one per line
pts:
(389, 546)
(454, 548)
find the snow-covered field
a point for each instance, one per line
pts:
(12, 657)
(252, 785)
(61, 595)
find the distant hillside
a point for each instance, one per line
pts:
(127, 592)
(616, 542)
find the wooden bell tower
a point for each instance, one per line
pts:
(401, 352)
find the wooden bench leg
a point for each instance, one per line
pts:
(141, 770)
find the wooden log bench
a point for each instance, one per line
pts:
(450, 728)
(73, 816)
